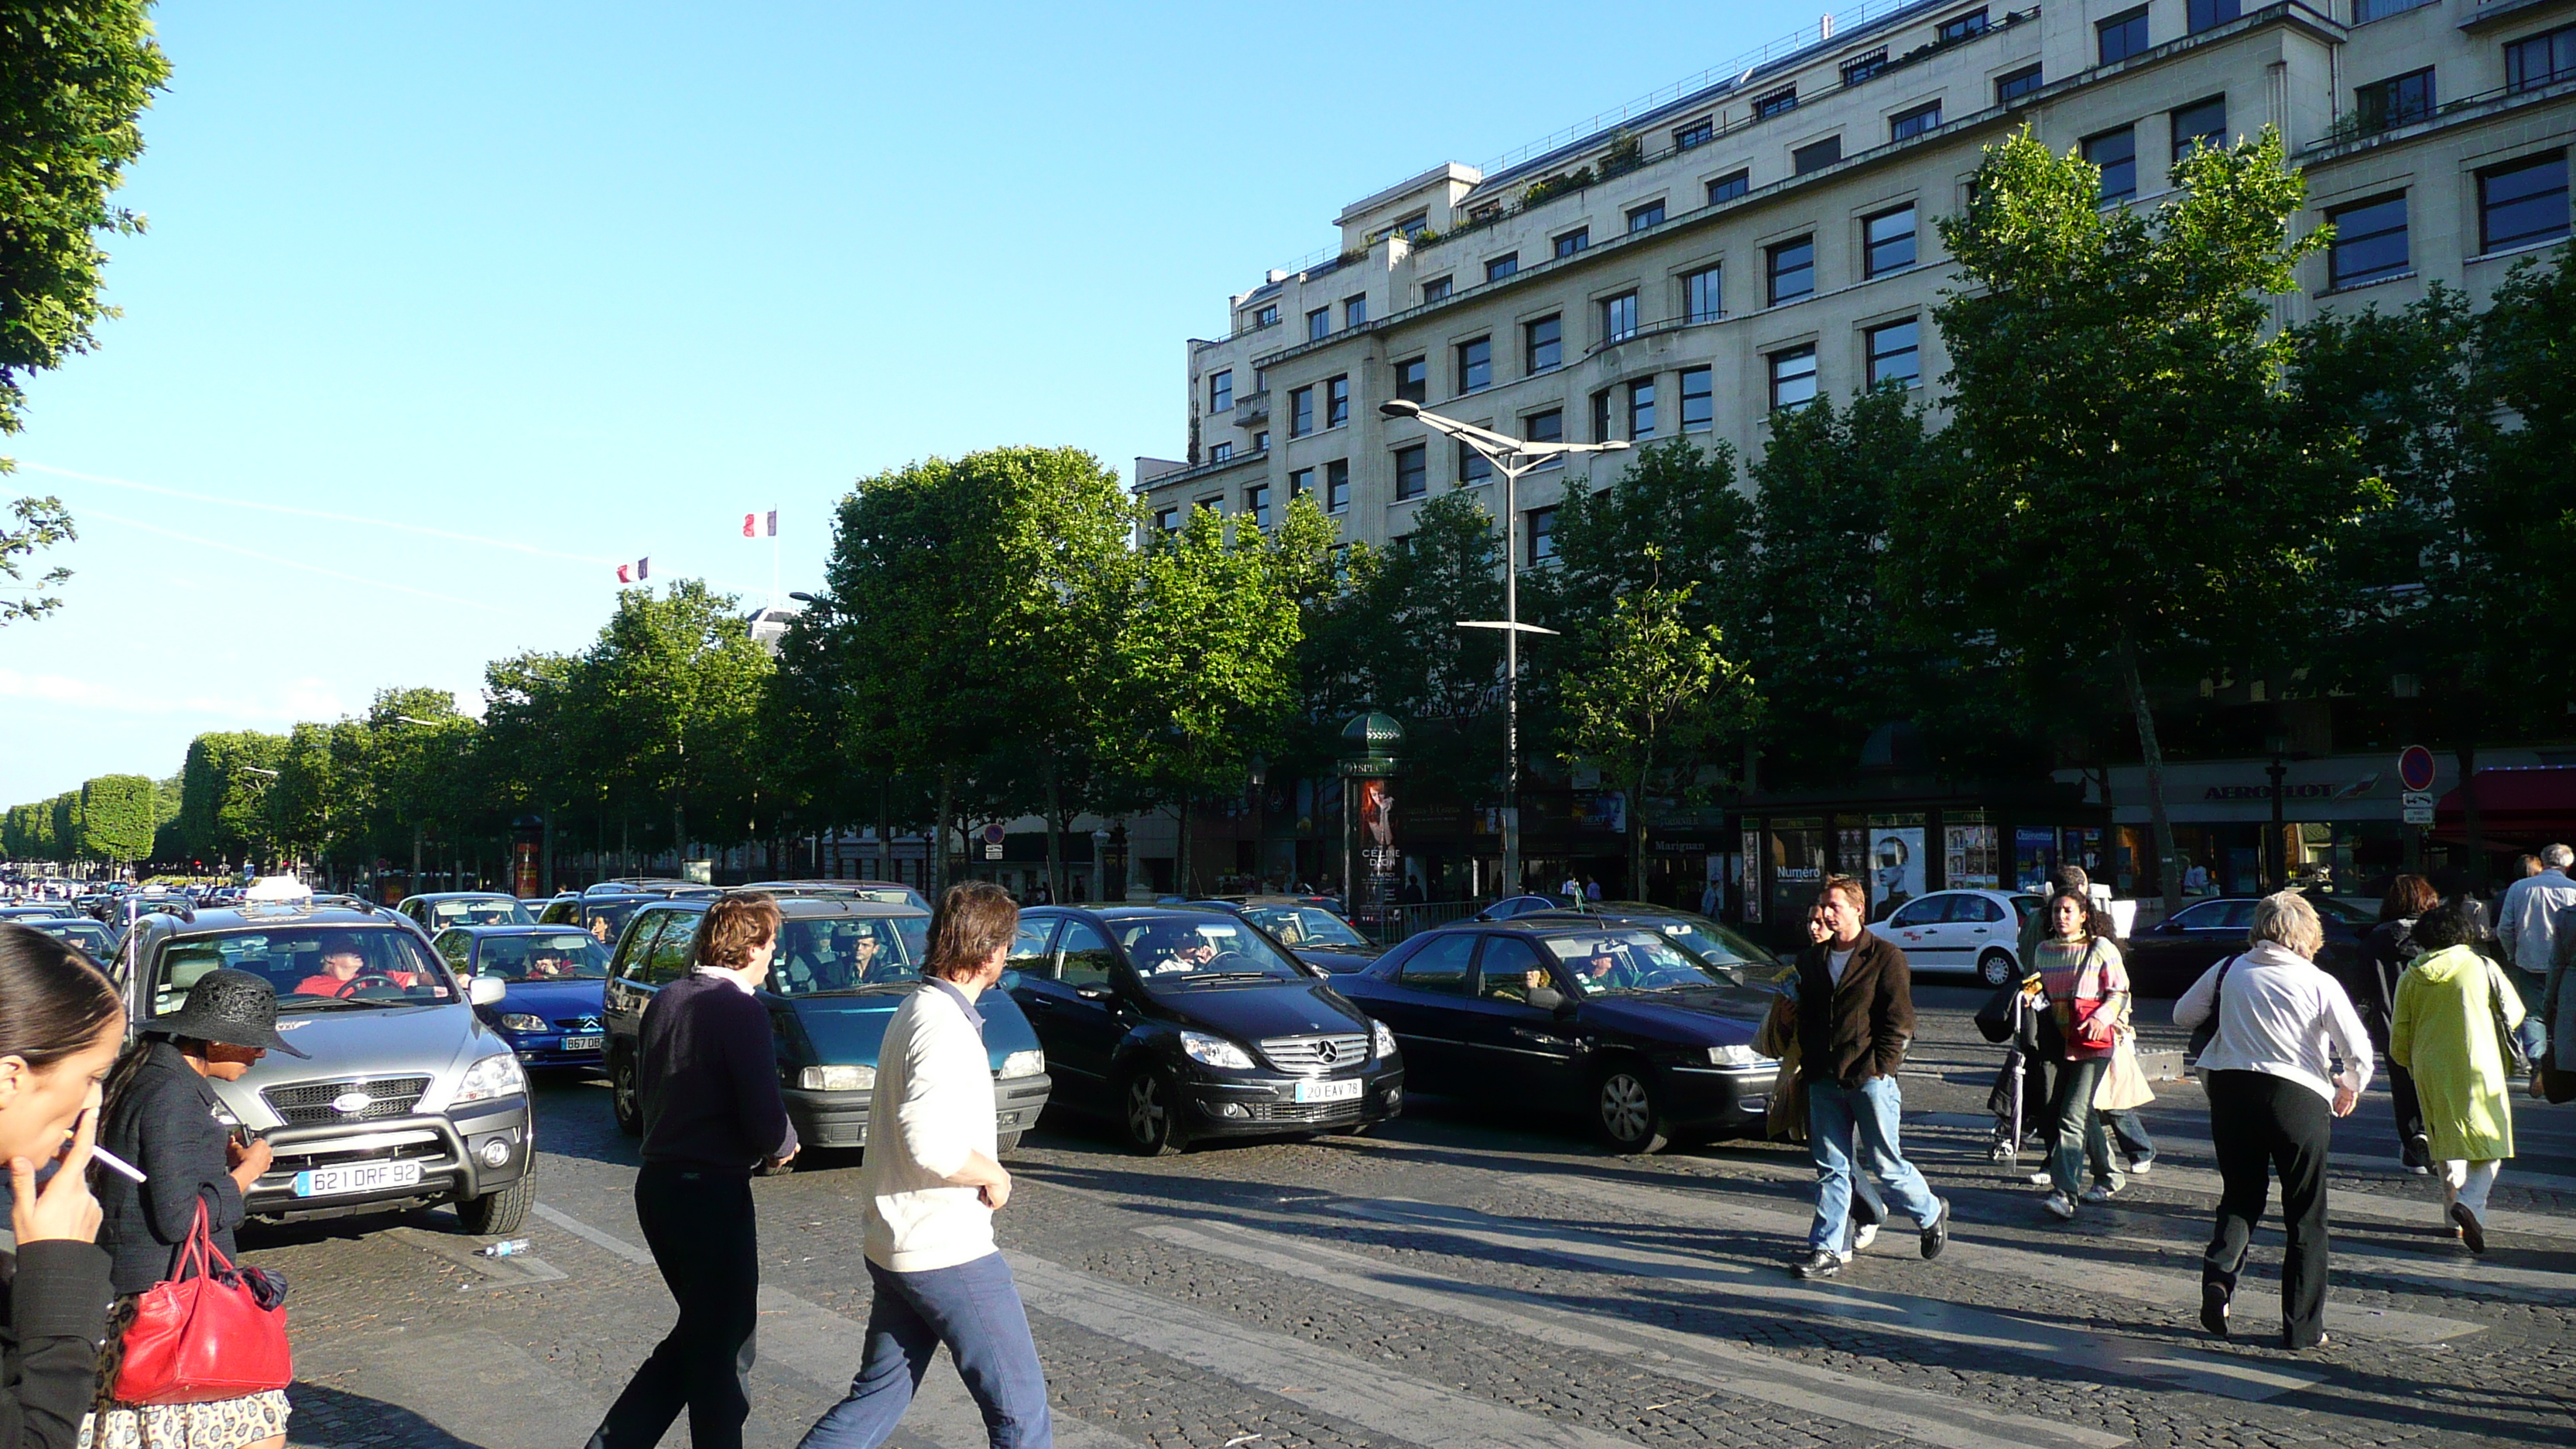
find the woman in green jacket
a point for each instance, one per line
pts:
(2444, 1034)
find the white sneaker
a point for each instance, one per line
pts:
(1863, 1236)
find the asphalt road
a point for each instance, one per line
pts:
(1471, 1278)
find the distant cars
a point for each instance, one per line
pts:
(2165, 958)
(555, 979)
(1975, 931)
(1308, 926)
(435, 911)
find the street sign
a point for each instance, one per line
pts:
(2415, 768)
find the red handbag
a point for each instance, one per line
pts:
(203, 1333)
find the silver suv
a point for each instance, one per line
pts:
(408, 1097)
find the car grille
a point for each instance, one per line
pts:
(578, 1023)
(1308, 1111)
(1316, 1053)
(308, 1104)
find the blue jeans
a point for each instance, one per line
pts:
(1858, 1124)
(974, 1308)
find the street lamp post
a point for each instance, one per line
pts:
(1510, 457)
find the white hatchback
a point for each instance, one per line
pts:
(1977, 931)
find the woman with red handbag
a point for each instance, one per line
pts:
(171, 1236)
(2088, 991)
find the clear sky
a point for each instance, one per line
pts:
(596, 280)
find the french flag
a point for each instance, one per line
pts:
(636, 572)
(756, 525)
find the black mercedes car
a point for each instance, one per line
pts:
(1308, 926)
(1185, 1022)
(1608, 1020)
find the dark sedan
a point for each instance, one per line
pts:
(1609, 1021)
(555, 977)
(1309, 927)
(2165, 958)
(1184, 1023)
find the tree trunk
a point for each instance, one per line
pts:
(2154, 757)
(939, 835)
(1055, 855)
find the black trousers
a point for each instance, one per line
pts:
(2261, 1124)
(699, 1226)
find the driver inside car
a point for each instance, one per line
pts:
(342, 965)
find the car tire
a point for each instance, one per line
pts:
(1628, 1109)
(625, 1094)
(1995, 969)
(497, 1213)
(1149, 1113)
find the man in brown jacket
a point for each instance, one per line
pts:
(1855, 1017)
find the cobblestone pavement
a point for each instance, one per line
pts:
(1476, 1278)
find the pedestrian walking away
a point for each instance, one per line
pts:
(2385, 954)
(2282, 1024)
(707, 1077)
(2088, 990)
(163, 1117)
(1855, 1021)
(2526, 920)
(2453, 1009)
(928, 1190)
(59, 1033)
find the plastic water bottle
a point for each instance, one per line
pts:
(507, 1248)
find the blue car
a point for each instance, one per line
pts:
(554, 975)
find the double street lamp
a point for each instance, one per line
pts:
(1510, 457)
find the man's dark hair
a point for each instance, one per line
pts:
(2459, 921)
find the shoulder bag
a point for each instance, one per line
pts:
(209, 1331)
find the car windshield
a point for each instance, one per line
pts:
(1613, 962)
(1304, 926)
(487, 911)
(843, 953)
(312, 967)
(1182, 947)
(556, 956)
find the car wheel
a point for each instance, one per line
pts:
(1149, 1110)
(1995, 968)
(495, 1213)
(625, 1094)
(1627, 1112)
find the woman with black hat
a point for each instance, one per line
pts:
(163, 1118)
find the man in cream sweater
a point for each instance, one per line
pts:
(928, 1191)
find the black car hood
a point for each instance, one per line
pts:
(1252, 1011)
(1718, 1016)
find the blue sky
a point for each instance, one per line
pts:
(554, 286)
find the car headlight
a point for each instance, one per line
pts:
(497, 1075)
(1215, 1051)
(1023, 1064)
(837, 1079)
(1381, 1040)
(521, 1021)
(1734, 1056)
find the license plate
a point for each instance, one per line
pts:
(584, 1043)
(1328, 1091)
(356, 1177)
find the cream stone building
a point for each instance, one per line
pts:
(1764, 232)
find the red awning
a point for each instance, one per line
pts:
(2520, 807)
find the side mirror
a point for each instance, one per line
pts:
(486, 990)
(1546, 998)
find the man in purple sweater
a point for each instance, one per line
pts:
(708, 1079)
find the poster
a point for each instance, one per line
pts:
(1895, 868)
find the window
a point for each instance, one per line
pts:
(1473, 467)
(2200, 15)
(1793, 270)
(1542, 344)
(1441, 965)
(1697, 133)
(1412, 471)
(1776, 103)
(1220, 452)
(1894, 355)
(2540, 59)
(2523, 203)
(1413, 379)
(2116, 152)
(1476, 365)
(1888, 241)
(1601, 416)
(1256, 502)
(1354, 311)
(2369, 241)
(1337, 402)
(1619, 317)
(1301, 482)
(1267, 316)
(1337, 485)
(1261, 442)
(1700, 296)
(1435, 290)
(1793, 377)
(1699, 397)
(1728, 187)
(2397, 101)
(1503, 266)
(1221, 392)
(1541, 527)
(1915, 122)
(1301, 412)
(1861, 67)
(1167, 519)
(1816, 154)
(1574, 241)
(2366, 11)
(1960, 27)
(1642, 217)
(1641, 408)
(2202, 123)
(1319, 324)
(2013, 85)
(2122, 36)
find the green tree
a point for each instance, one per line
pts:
(116, 818)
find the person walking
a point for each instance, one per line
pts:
(2527, 919)
(163, 1117)
(708, 1081)
(1855, 1020)
(928, 1190)
(2087, 988)
(2450, 1004)
(61, 1024)
(2385, 954)
(2281, 1025)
